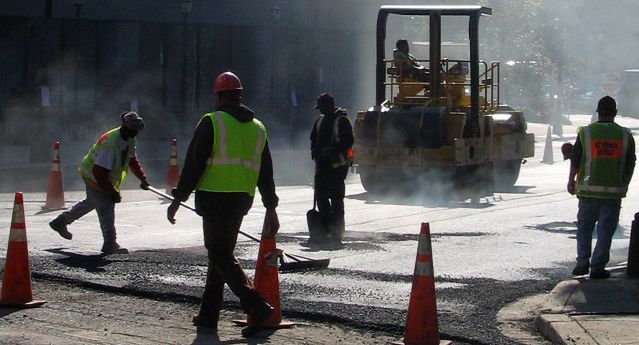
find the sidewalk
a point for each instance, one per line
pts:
(585, 311)
(75, 315)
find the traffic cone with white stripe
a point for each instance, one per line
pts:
(421, 322)
(548, 156)
(173, 172)
(267, 282)
(55, 188)
(16, 282)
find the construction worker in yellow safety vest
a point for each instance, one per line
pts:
(227, 158)
(104, 169)
(602, 164)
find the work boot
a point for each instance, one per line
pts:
(113, 248)
(60, 226)
(579, 270)
(317, 238)
(256, 318)
(338, 229)
(204, 325)
(599, 274)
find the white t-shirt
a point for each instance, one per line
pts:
(104, 155)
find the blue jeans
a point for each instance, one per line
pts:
(604, 212)
(101, 202)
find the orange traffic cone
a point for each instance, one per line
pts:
(173, 173)
(267, 282)
(16, 283)
(55, 189)
(548, 156)
(421, 322)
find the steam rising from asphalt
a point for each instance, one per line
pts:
(555, 48)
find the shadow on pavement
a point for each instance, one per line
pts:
(416, 199)
(570, 229)
(91, 263)
(203, 338)
(48, 210)
(4, 311)
(515, 189)
(214, 339)
(320, 246)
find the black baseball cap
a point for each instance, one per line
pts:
(606, 103)
(132, 120)
(325, 99)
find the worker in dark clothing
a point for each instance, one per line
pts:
(602, 164)
(226, 159)
(407, 63)
(331, 149)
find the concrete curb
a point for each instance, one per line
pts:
(553, 326)
(557, 299)
(587, 311)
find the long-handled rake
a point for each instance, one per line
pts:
(299, 263)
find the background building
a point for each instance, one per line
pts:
(70, 67)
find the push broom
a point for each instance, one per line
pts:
(298, 263)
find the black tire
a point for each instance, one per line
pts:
(506, 173)
(370, 178)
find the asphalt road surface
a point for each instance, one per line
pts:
(487, 252)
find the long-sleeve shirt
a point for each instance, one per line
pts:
(200, 150)
(322, 149)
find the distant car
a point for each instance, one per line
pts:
(587, 95)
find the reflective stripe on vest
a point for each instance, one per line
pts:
(235, 161)
(339, 159)
(118, 170)
(223, 157)
(609, 180)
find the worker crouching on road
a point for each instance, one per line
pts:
(227, 158)
(104, 169)
(602, 164)
(331, 149)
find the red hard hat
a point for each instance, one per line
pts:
(227, 81)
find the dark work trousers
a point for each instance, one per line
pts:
(220, 236)
(329, 191)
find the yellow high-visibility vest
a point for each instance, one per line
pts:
(234, 165)
(603, 162)
(119, 167)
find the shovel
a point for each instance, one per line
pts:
(299, 263)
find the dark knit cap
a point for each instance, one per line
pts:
(606, 103)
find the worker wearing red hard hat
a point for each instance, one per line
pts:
(228, 157)
(227, 81)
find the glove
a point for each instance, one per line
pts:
(271, 223)
(116, 197)
(144, 184)
(571, 187)
(171, 210)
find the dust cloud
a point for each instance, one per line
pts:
(68, 79)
